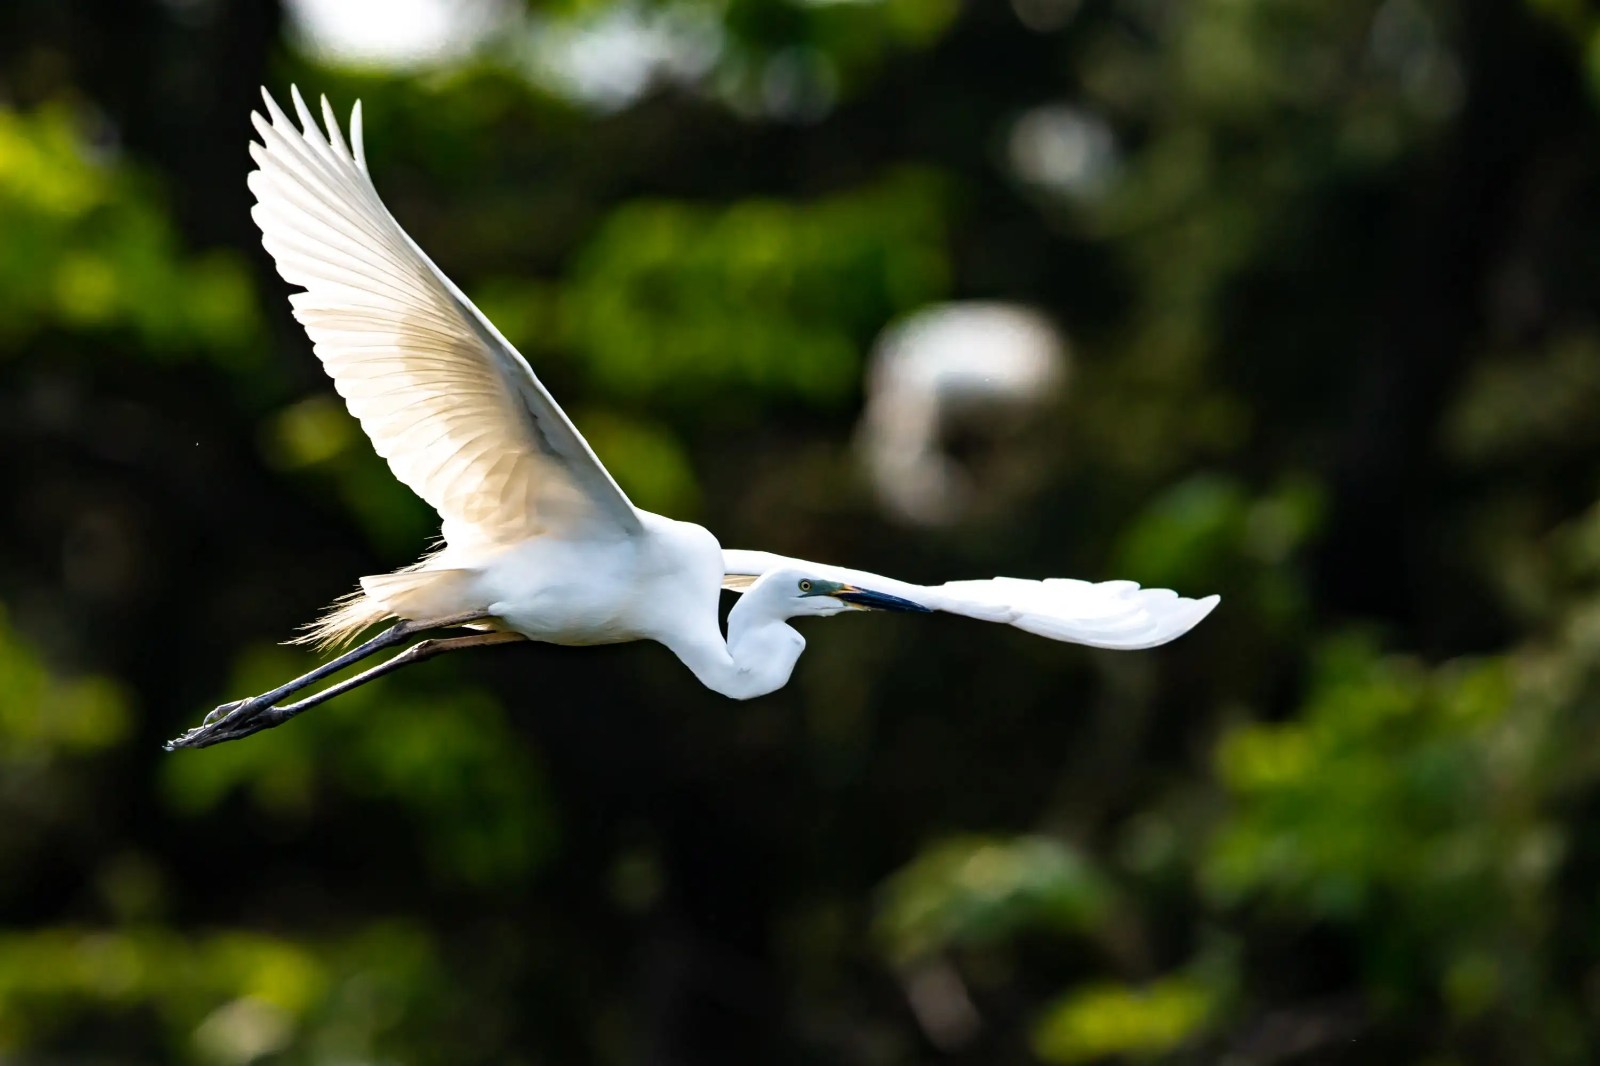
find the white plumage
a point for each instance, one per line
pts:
(1110, 614)
(540, 542)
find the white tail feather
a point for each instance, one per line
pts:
(419, 591)
(347, 618)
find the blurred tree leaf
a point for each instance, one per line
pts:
(675, 302)
(647, 460)
(43, 716)
(88, 247)
(1402, 788)
(447, 760)
(1103, 1020)
(228, 997)
(975, 890)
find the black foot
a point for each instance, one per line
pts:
(230, 721)
(221, 712)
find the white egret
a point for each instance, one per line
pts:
(539, 542)
(975, 366)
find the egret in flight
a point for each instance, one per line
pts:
(540, 543)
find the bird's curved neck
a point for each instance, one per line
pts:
(757, 657)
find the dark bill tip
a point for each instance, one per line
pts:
(878, 601)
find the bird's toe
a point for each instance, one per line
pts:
(222, 712)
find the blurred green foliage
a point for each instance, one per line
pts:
(1103, 1020)
(227, 998)
(476, 795)
(1328, 268)
(89, 249)
(670, 302)
(85, 713)
(973, 891)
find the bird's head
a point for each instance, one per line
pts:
(799, 594)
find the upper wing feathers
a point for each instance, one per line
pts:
(452, 406)
(1107, 614)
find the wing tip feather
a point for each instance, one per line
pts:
(357, 143)
(300, 109)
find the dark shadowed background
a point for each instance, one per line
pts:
(1329, 277)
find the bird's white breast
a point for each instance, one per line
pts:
(567, 591)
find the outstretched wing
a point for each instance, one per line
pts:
(1108, 614)
(446, 399)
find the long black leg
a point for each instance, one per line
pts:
(231, 715)
(270, 717)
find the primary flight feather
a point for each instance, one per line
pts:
(540, 543)
(446, 399)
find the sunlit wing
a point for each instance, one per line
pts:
(1107, 614)
(451, 405)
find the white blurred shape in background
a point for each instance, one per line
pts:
(1045, 16)
(611, 56)
(393, 33)
(974, 370)
(604, 56)
(1063, 149)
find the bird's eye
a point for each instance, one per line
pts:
(805, 586)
